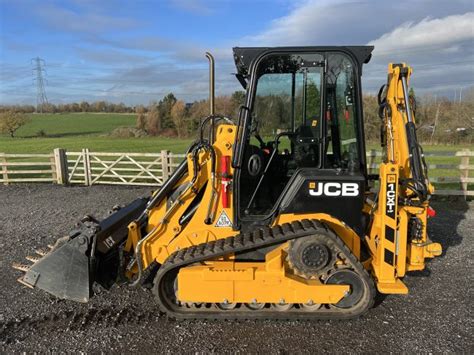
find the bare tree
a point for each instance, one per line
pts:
(141, 117)
(153, 121)
(435, 123)
(178, 115)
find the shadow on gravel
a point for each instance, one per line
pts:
(423, 273)
(444, 227)
(379, 299)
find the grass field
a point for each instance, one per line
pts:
(94, 143)
(75, 131)
(74, 124)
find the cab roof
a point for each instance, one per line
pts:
(244, 56)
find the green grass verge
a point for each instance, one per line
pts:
(94, 143)
(75, 124)
(75, 131)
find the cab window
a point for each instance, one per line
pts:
(285, 128)
(341, 114)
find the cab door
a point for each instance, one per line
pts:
(284, 130)
(295, 135)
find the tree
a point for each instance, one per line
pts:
(10, 121)
(178, 115)
(313, 99)
(165, 106)
(141, 121)
(75, 107)
(237, 99)
(153, 121)
(141, 117)
(372, 121)
(119, 107)
(99, 106)
(85, 107)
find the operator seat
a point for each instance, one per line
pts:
(306, 146)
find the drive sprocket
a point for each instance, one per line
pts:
(312, 256)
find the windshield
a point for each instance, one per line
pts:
(288, 94)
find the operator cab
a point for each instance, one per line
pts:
(301, 125)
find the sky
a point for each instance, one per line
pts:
(138, 51)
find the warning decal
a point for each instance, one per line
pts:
(223, 220)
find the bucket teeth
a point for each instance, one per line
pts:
(33, 259)
(20, 280)
(21, 267)
(41, 252)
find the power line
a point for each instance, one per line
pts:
(41, 99)
(64, 81)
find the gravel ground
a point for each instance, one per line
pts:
(435, 317)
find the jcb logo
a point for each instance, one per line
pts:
(334, 189)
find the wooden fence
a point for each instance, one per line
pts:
(454, 182)
(90, 168)
(28, 168)
(152, 169)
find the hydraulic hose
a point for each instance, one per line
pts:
(416, 158)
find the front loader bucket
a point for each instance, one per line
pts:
(64, 273)
(89, 254)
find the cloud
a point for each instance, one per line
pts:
(437, 34)
(323, 22)
(136, 83)
(339, 22)
(85, 21)
(437, 38)
(440, 50)
(193, 6)
(184, 52)
(111, 56)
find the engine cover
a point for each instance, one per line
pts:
(337, 193)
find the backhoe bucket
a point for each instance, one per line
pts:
(63, 272)
(88, 254)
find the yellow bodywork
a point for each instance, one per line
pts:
(228, 281)
(268, 282)
(164, 233)
(258, 282)
(393, 256)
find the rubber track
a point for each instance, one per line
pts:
(262, 237)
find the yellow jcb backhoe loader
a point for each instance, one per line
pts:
(271, 215)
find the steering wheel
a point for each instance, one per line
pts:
(254, 165)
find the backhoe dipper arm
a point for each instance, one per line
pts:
(398, 240)
(416, 156)
(400, 129)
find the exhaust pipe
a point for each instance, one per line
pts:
(212, 107)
